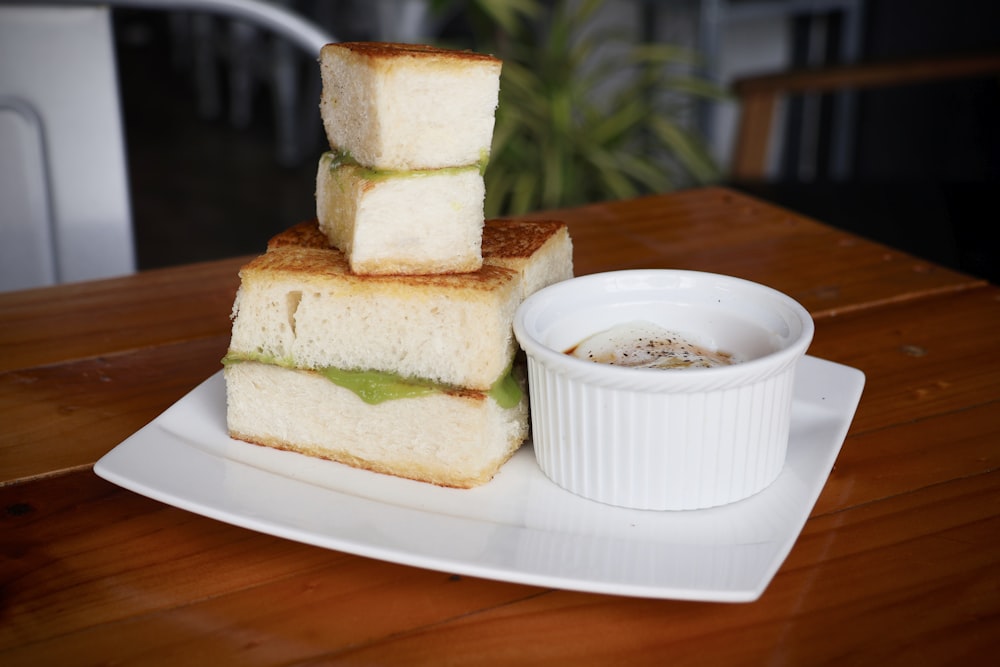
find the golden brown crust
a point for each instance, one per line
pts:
(310, 264)
(389, 50)
(303, 235)
(517, 239)
(502, 239)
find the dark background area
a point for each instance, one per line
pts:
(202, 188)
(925, 178)
(925, 173)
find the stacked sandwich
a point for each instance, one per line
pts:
(401, 190)
(380, 334)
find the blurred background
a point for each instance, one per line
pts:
(212, 175)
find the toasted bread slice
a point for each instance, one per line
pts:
(304, 307)
(457, 439)
(401, 222)
(405, 106)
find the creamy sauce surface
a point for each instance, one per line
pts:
(647, 345)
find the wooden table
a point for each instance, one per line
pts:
(899, 562)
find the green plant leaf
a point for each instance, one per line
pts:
(585, 114)
(508, 14)
(687, 149)
(615, 184)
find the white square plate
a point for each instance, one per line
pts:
(520, 527)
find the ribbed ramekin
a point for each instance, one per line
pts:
(663, 439)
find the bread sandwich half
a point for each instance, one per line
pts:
(405, 106)
(401, 222)
(413, 376)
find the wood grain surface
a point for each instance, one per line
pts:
(899, 562)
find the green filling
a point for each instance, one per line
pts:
(337, 159)
(506, 391)
(375, 387)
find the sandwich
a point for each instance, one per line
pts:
(380, 335)
(413, 376)
(410, 127)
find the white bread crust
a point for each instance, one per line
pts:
(414, 222)
(447, 329)
(402, 106)
(457, 440)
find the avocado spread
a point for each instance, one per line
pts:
(336, 159)
(375, 387)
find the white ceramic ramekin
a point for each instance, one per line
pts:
(663, 439)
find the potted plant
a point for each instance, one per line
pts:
(586, 113)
